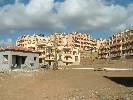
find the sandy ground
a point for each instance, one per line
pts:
(70, 84)
(67, 85)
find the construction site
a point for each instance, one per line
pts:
(67, 67)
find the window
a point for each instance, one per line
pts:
(23, 60)
(49, 50)
(76, 58)
(60, 57)
(40, 60)
(34, 58)
(5, 59)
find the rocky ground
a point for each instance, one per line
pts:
(70, 84)
(66, 85)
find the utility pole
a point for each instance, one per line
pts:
(91, 49)
(91, 56)
(55, 67)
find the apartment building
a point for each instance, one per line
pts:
(30, 41)
(120, 45)
(46, 47)
(127, 43)
(69, 56)
(47, 53)
(116, 45)
(103, 50)
(59, 38)
(82, 41)
(73, 42)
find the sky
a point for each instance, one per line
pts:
(100, 18)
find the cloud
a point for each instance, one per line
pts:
(91, 15)
(5, 43)
(37, 15)
(76, 15)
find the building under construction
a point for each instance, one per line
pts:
(14, 57)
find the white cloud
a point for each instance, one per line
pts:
(37, 15)
(78, 15)
(91, 15)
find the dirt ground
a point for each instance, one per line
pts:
(66, 85)
(70, 84)
(106, 63)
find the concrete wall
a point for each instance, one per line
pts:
(12, 59)
(4, 63)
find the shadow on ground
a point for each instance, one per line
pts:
(126, 81)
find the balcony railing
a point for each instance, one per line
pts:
(49, 58)
(67, 54)
(68, 61)
(42, 56)
(115, 55)
(115, 50)
(130, 47)
(129, 54)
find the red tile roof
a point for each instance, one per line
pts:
(18, 48)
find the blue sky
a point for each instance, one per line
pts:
(100, 18)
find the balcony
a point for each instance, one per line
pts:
(130, 47)
(68, 61)
(115, 50)
(42, 56)
(76, 43)
(118, 44)
(129, 54)
(42, 44)
(67, 54)
(40, 49)
(50, 53)
(49, 58)
(130, 41)
(66, 48)
(115, 55)
(124, 48)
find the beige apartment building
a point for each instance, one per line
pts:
(31, 41)
(47, 45)
(66, 55)
(68, 46)
(127, 43)
(69, 56)
(103, 50)
(120, 45)
(116, 45)
(82, 41)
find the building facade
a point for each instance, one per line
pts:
(103, 50)
(30, 41)
(18, 58)
(120, 45)
(75, 41)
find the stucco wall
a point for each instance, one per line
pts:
(11, 59)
